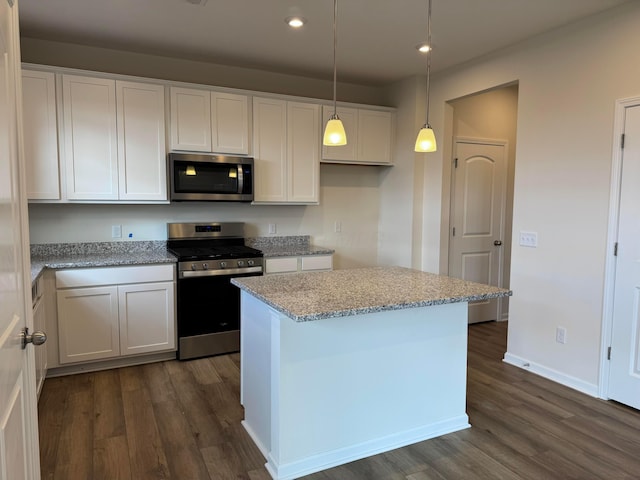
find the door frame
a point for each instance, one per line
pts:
(503, 207)
(612, 237)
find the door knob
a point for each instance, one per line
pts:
(497, 243)
(37, 338)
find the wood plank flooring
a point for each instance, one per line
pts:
(181, 421)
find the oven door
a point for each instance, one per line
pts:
(208, 315)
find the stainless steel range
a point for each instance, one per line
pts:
(209, 255)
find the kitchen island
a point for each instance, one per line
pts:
(337, 366)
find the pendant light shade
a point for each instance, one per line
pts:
(334, 134)
(426, 141)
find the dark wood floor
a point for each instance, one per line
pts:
(181, 420)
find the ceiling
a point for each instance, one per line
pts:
(376, 38)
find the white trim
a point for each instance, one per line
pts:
(551, 374)
(612, 237)
(323, 461)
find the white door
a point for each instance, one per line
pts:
(477, 219)
(624, 367)
(303, 152)
(18, 422)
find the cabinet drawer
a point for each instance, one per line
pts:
(321, 262)
(282, 265)
(85, 277)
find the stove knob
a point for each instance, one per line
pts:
(205, 266)
(193, 266)
(240, 263)
(251, 263)
(223, 264)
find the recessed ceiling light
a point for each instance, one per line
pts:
(295, 22)
(423, 48)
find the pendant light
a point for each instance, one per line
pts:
(426, 141)
(334, 134)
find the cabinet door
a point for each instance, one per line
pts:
(39, 323)
(147, 317)
(270, 149)
(303, 152)
(40, 135)
(229, 123)
(375, 136)
(190, 119)
(281, 265)
(90, 142)
(316, 262)
(348, 152)
(88, 324)
(141, 143)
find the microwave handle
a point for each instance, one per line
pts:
(240, 179)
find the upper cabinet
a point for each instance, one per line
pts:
(208, 121)
(114, 140)
(40, 135)
(142, 173)
(370, 136)
(90, 138)
(286, 145)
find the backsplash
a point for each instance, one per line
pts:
(285, 241)
(92, 248)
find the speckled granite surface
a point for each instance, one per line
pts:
(97, 254)
(289, 246)
(313, 296)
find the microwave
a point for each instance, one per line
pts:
(210, 178)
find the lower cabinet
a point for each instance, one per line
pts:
(112, 312)
(305, 263)
(39, 324)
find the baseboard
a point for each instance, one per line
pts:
(96, 366)
(551, 374)
(341, 456)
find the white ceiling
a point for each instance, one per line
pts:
(376, 38)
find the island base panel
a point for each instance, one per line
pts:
(323, 393)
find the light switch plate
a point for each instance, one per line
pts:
(116, 231)
(529, 239)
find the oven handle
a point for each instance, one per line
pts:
(227, 271)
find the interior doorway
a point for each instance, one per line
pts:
(480, 200)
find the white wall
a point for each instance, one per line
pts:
(399, 212)
(348, 194)
(97, 59)
(568, 82)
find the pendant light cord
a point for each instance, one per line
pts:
(428, 58)
(335, 48)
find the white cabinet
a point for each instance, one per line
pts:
(286, 149)
(110, 312)
(88, 324)
(40, 135)
(114, 144)
(370, 136)
(304, 263)
(208, 121)
(142, 172)
(39, 324)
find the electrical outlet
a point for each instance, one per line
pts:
(116, 231)
(338, 226)
(561, 335)
(529, 239)
(272, 228)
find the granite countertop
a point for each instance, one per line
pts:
(97, 254)
(289, 246)
(316, 295)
